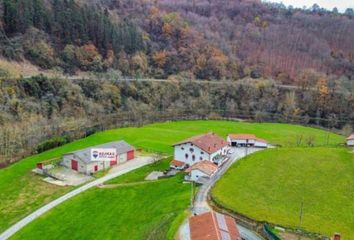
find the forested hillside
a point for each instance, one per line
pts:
(201, 39)
(267, 63)
(38, 113)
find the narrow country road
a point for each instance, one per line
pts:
(201, 199)
(119, 170)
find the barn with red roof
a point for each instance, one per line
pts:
(246, 140)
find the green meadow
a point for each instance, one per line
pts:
(271, 185)
(22, 191)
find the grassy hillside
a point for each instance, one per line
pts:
(22, 192)
(134, 212)
(271, 185)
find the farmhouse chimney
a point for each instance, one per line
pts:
(336, 236)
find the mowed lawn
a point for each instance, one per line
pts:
(149, 211)
(22, 191)
(271, 185)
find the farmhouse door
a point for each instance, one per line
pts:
(96, 168)
(130, 155)
(74, 165)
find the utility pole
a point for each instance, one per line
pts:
(300, 214)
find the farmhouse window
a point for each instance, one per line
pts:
(201, 152)
(193, 157)
(191, 149)
(186, 155)
(200, 158)
(182, 148)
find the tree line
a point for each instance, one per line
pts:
(39, 109)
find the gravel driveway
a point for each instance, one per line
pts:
(200, 204)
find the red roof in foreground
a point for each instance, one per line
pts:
(209, 142)
(177, 163)
(213, 226)
(351, 137)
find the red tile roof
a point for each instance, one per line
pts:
(242, 136)
(205, 166)
(351, 137)
(177, 163)
(213, 226)
(209, 142)
(246, 137)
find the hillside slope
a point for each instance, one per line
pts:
(282, 179)
(22, 191)
(195, 39)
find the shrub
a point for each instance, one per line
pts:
(51, 143)
(41, 54)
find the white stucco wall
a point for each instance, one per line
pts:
(195, 174)
(122, 158)
(251, 141)
(87, 168)
(261, 144)
(350, 143)
(180, 152)
(241, 141)
(67, 160)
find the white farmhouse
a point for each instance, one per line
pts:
(203, 169)
(203, 147)
(246, 140)
(81, 161)
(350, 140)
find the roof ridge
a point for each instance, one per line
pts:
(218, 235)
(97, 146)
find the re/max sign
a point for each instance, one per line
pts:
(103, 154)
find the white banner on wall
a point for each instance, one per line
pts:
(103, 154)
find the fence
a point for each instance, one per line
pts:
(268, 232)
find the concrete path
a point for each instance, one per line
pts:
(201, 199)
(119, 170)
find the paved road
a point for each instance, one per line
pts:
(201, 203)
(217, 82)
(119, 170)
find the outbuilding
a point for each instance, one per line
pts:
(246, 140)
(82, 161)
(350, 140)
(213, 226)
(203, 169)
(208, 146)
(178, 165)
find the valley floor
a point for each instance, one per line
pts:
(22, 192)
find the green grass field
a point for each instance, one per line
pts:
(150, 211)
(271, 185)
(22, 192)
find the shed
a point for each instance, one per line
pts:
(350, 140)
(81, 160)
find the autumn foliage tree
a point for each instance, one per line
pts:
(89, 58)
